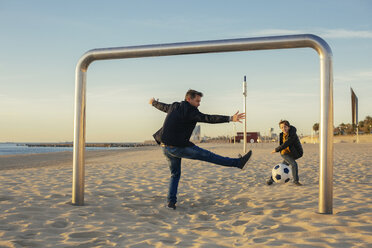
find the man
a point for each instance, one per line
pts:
(174, 138)
(290, 149)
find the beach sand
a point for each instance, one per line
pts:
(125, 195)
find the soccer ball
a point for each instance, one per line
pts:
(281, 173)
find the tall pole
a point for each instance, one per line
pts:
(79, 138)
(245, 111)
(326, 131)
(234, 132)
(312, 136)
(354, 112)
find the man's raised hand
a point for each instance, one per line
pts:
(238, 117)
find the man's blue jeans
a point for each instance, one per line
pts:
(174, 155)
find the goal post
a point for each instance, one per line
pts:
(214, 46)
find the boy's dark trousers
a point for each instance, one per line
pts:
(289, 160)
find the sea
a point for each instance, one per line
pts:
(14, 149)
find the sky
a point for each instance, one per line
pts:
(42, 41)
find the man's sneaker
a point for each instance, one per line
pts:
(172, 205)
(244, 159)
(298, 183)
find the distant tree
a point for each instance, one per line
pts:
(361, 126)
(346, 128)
(366, 124)
(368, 119)
(342, 128)
(349, 129)
(316, 127)
(336, 131)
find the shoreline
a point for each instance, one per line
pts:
(104, 144)
(52, 159)
(41, 148)
(65, 158)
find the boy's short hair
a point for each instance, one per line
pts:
(193, 93)
(285, 122)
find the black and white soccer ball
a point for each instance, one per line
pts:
(281, 173)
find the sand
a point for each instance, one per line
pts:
(218, 207)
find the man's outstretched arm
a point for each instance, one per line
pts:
(159, 105)
(200, 117)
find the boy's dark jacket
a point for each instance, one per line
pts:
(293, 142)
(180, 122)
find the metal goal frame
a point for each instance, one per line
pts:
(214, 46)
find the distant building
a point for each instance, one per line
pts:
(272, 136)
(195, 136)
(271, 132)
(250, 135)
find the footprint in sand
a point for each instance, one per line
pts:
(84, 235)
(5, 198)
(348, 213)
(55, 196)
(59, 224)
(240, 222)
(18, 217)
(27, 235)
(27, 243)
(204, 217)
(263, 239)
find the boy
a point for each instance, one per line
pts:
(290, 149)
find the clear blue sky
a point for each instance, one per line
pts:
(41, 42)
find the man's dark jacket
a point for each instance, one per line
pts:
(293, 142)
(180, 122)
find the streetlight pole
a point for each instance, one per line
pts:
(245, 111)
(234, 132)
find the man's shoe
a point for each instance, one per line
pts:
(298, 183)
(172, 205)
(244, 159)
(269, 182)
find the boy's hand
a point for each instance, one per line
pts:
(273, 151)
(151, 101)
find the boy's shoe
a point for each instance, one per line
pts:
(244, 159)
(269, 182)
(172, 205)
(298, 183)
